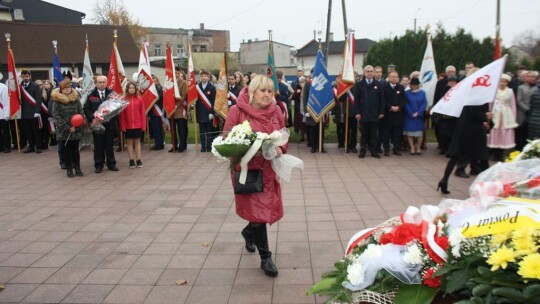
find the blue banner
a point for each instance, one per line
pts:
(321, 98)
(57, 71)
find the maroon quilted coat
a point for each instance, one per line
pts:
(266, 206)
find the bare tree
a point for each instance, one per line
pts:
(114, 12)
(529, 41)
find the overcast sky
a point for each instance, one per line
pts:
(293, 21)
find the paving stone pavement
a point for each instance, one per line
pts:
(129, 236)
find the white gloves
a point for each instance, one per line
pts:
(36, 115)
(210, 116)
(306, 115)
(229, 103)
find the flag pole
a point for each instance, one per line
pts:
(321, 120)
(121, 135)
(347, 124)
(196, 135)
(8, 39)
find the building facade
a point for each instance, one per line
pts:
(254, 56)
(306, 55)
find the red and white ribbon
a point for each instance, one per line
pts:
(32, 101)
(204, 99)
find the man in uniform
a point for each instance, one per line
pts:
(31, 112)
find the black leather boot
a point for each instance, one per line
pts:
(261, 241)
(248, 236)
(70, 171)
(78, 171)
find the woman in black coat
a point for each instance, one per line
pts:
(469, 141)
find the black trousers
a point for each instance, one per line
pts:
(340, 133)
(206, 136)
(368, 139)
(180, 133)
(521, 136)
(32, 132)
(387, 133)
(352, 137)
(314, 136)
(104, 148)
(44, 131)
(70, 153)
(5, 135)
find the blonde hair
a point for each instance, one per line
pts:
(259, 82)
(472, 71)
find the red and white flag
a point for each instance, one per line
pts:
(116, 78)
(145, 82)
(345, 80)
(477, 89)
(192, 86)
(170, 87)
(13, 87)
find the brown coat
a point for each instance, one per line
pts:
(182, 87)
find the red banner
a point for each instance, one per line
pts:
(116, 76)
(13, 87)
(192, 86)
(170, 86)
(145, 82)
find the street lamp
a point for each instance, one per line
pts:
(419, 9)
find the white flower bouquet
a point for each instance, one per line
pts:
(107, 110)
(235, 144)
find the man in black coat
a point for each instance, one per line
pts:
(31, 112)
(369, 101)
(233, 90)
(392, 124)
(103, 142)
(205, 111)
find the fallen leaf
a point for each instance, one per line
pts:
(205, 244)
(2, 287)
(181, 282)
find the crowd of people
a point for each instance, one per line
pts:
(391, 112)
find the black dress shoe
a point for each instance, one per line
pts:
(396, 152)
(29, 151)
(461, 173)
(386, 153)
(181, 150)
(7, 150)
(362, 154)
(113, 168)
(375, 154)
(98, 170)
(203, 150)
(38, 151)
(313, 150)
(172, 150)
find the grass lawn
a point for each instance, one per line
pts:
(329, 135)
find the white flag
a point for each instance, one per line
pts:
(88, 84)
(477, 89)
(428, 74)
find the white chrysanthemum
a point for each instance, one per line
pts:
(455, 239)
(355, 274)
(372, 251)
(413, 255)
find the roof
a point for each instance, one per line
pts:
(45, 12)
(264, 41)
(32, 43)
(336, 47)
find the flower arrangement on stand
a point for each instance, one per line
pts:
(485, 249)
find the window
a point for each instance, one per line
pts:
(203, 48)
(180, 50)
(157, 49)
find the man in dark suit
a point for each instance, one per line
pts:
(392, 124)
(205, 110)
(233, 89)
(369, 102)
(31, 112)
(103, 142)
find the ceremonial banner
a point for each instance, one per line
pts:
(88, 84)
(321, 98)
(477, 89)
(346, 80)
(428, 74)
(271, 67)
(221, 105)
(116, 78)
(192, 86)
(145, 82)
(57, 71)
(13, 87)
(170, 87)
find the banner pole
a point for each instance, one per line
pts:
(320, 133)
(172, 134)
(148, 135)
(17, 134)
(195, 127)
(347, 125)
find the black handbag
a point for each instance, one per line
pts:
(253, 182)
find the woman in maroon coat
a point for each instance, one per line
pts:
(256, 104)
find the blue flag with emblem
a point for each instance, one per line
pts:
(57, 71)
(321, 98)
